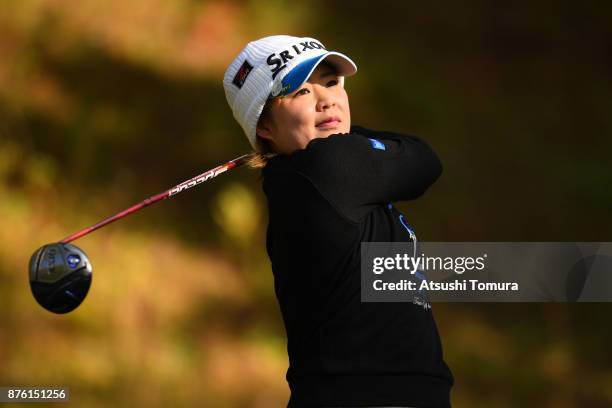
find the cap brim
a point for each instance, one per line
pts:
(301, 72)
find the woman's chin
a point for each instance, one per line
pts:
(331, 131)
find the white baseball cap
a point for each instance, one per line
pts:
(274, 66)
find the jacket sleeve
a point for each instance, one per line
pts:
(362, 169)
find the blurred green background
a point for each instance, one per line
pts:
(103, 103)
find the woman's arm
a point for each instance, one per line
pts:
(365, 168)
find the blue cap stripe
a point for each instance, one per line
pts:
(298, 75)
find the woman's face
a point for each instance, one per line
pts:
(320, 108)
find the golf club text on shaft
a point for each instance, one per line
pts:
(194, 182)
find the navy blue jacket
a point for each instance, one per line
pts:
(324, 201)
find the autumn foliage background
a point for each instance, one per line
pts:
(104, 103)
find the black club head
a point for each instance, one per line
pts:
(60, 277)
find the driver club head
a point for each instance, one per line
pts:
(60, 277)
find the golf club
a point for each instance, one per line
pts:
(60, 273)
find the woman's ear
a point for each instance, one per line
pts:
(263, 131)
(264, 127)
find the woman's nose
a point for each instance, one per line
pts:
(325, 99)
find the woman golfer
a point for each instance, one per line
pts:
(330, 187)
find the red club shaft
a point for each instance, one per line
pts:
(185, 185)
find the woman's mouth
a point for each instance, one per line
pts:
(329, 123)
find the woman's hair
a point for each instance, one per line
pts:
(264, 151)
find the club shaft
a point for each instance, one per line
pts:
(185, 185)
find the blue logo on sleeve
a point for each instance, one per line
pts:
(377, 144)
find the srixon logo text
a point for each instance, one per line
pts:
(278, 62)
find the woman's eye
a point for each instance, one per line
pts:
(333, 82)
(302, 91)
